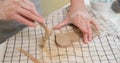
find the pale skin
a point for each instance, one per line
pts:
(24, 11)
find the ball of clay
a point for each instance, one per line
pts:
(116, 7)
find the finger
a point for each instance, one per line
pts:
(81, 25)
(85, 38)
(34, 11)
(63, 23)
(29, 7)
(18, 2)
(23, 20)
(30, 15)
(90, 31)
(29, 3)
(94, 24)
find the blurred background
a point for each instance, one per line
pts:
(102, 6)
(48, 6)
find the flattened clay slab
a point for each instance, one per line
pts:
(66, 39)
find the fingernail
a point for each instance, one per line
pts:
(56, 28)
(41, 20)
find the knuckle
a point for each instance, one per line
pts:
(15, 1)
(28, 14)
(11, 16)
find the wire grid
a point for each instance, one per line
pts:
(104, 48)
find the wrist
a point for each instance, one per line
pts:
(77, 4)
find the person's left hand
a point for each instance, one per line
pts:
(79, 17)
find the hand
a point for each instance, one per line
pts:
(22, 11)
(79, 17)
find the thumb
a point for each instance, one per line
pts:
(61, 24)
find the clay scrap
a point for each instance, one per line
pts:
(28, 55)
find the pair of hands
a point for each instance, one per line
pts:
(24, 11)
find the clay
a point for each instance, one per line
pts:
(47, 35)
(28, 55)
(66, 39)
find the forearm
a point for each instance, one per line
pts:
(77, 5)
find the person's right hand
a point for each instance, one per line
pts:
(79, 16)
(22, 11)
